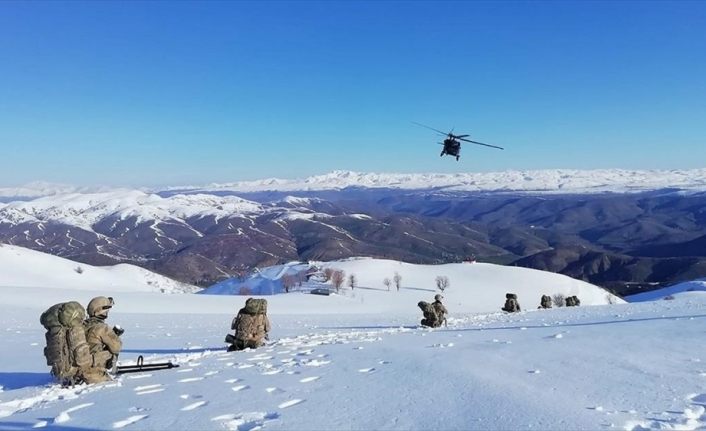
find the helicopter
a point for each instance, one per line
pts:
(452, 144)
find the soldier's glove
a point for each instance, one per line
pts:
(118, 330)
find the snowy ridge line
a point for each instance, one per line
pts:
(546, 181)
(539, 181)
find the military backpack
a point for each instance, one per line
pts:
(256, 306)
(67, 351)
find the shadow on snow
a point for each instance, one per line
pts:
(19, 380)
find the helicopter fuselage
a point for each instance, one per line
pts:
(452, 148)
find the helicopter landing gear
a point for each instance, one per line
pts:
(458, 157)
(442, 153)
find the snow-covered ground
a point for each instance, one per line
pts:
(339, 362)
(22, 267)
(473, 287)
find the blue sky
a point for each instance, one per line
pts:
(157, 93)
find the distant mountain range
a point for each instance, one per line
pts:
(579, 223)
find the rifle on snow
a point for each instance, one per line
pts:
(140, 366)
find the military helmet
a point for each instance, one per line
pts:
(438, 297)
(99, 306)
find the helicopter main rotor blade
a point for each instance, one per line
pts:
(480, 143)
(436, 130)
(461, 136)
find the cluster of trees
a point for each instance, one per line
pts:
(396, 281)
(290, 281)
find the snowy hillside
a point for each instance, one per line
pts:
(550, 180)
(21, 267)
(626, 366)
(695, 286)
(477, 287)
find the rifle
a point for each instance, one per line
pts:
(140, 366)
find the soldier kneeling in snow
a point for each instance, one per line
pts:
(431, 318)
(104, 341)
(251, 326)
(511, 304)
(546, 302)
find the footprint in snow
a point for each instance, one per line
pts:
(139, 376)
(211, 373)
(129, 421)
(194, 406)
(232, 380)
(245, 421)
(272, 372)
(366, 370)
(240, 388)
(191, 379)
(185, 370)
(315, 363)
(383, 362)
(242, 367)
(148, 389)
(290, 403)
(309, 379)
(273, 390)
(698, 398)
(64, 416)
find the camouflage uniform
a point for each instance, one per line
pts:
(546, 302)
(441, 311)
(511, 304)
(430, 317)
(250, 330)
(103, 342)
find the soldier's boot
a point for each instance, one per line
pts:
(95, 375)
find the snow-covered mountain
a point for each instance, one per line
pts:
(21, 267)
(698, 287)
(474, 287)
(542, 181)
(201, 235)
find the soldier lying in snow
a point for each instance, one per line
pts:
(251, 326)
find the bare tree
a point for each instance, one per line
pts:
(442, 282)
(288, 282)
(558, 300)
(337, 279)
(352, 281)
(300, 277)
(328, 272)
(397, 279)
(387, 283)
